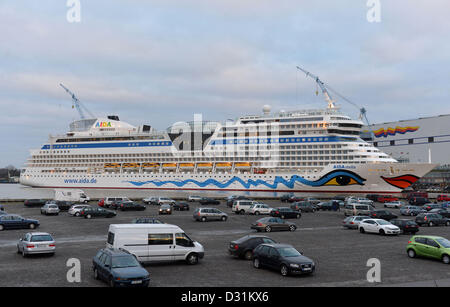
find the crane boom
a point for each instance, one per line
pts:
(77, 103)
(319, 82)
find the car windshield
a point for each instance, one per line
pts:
(383, 222)
(124, 262)
(288, 252)
(41, 238)
(444, 243)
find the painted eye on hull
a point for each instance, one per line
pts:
(342, 181)
(341, 178)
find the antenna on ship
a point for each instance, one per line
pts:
(76, 103)
(324, 87)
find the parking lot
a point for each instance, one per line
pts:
(341, 255)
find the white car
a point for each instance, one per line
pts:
(258, 209)
(378, 226)
(76, 209)
(49, 209)
(394, 204)
(194, 198)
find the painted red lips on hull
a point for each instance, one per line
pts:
(401, 182)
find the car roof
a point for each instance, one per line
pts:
(39, 233)
(277, 245)
(429, 237)
(116, 252)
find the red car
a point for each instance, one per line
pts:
(443, 198)
(101, 202)
(386, 198)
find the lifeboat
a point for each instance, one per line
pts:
(150, 165)
(223, 164)
(131, 165)
(243, 164)
(111, 165)
(204, 165)
(186, 165)
(169, 165)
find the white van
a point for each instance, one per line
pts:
(71, 195)
(155, 242)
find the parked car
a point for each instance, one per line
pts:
(303, 206)
(431, 206)
(294, 198)
(107, 201)
(2, 208)
(146, 220)
(62, 204)
(285, 213)
(13, 221)
(3, 212)
(243, 247)
(429, 247)
(357, 209)
(285, 198)
(131, 206)
(36, 243)
(386, 199)
(119, 268)
(76, 209)
(209, 201)
(242, 206)
(164, 201)
(406, 226)
(209, 214)
(232, 198)
(181, 206)
(432, 219)
(372, 197)
(259, 208)
(359, 200)
(193, 198)
(418, 201)
(151, 201)
(378, 226)
(443, 197)
(50, 209)
(352, 222)
(411, 210)
(90, 212)
(328, 206)
(283, 258)
(165, 209)
(34, 202)
(443, 212)
(394, 204)
(382, 214)
(269, 224)
(155, 242)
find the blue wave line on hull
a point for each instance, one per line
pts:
(278, 180)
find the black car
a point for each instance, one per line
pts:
(12, 221)
(2, 209)
(165, 209)
(62, 205)
(283, 258)
(372, 197)
(243, 247)
(209, 201)
(96, 212)
(382, 214)
(285, 198)
(432, 219)
(285, 213)
(443, 212)
(34, 202)
(131, 206)
(328, 206)
(146, 220)
(418, 201)
(181, 206)
(119, 268)
(406, 226)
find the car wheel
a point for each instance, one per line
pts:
(112, 284)
(32, 226)
(268, 229)
(292, 228)
(284, 270)
(282, 216)
(1, 227)
(256, 212)
(382, 232)
(430, 224)
(297, 216)
(248, 255)
(77, 214)
(361, 230)
(24, 254)
(447, 223)
(203, 219)
(95, 274)
(411, 253)
(88, 216)
(256, 263)
(242, 212)
(192, 258)
(446, 259)
(224, 218)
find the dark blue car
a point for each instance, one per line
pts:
(12, 221)
(119, 268)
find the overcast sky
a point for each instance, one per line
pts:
(160, 61)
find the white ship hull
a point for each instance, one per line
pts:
(383, 178)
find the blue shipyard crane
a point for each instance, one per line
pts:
(77, 104)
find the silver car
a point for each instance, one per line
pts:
(352, 222)
(76, 209)
(209, 214)
(50, 209)
(36, 243)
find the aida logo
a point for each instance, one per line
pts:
(393, 131)
(103, 124)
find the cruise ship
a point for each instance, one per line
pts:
(318, 152)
